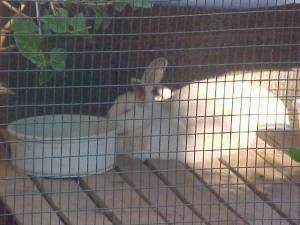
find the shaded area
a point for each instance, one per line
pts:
(5, 216)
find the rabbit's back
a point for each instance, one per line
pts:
(237, 99)
(223, 116)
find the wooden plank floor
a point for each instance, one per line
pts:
(22, 198)
(246, 187)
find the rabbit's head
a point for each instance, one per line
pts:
(133, 109)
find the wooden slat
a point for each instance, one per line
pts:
(203, 200)
(72, 202)
(5, 215)
(282, 162)
(236, 193)
(156, 192)
(281, 139)
(23, 199)
(275, 188)
(121, 199)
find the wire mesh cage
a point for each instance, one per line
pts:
(149, 112)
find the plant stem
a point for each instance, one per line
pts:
(38, 17)
(52, 6)
(5, 29)
(10, 7)
(10, 47)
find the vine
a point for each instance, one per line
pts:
(30, 33)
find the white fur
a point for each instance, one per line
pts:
(198, 121)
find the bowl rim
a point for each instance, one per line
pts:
(22, 136)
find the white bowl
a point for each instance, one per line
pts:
(62, 145)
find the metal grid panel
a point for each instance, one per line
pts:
(158, 112)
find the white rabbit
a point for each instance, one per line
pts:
(196, 122)
(125, 103)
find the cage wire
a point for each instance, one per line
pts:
(149, 112)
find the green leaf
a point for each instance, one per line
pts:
(29, 46)
(140, 3)
(61, 12)
(58, 58)
(28, 41)
(44, 77)
(58, 22)
(294, 153)
(88, 38)
(77, 23)
(119, 6)
(24, 26)
(57, 25)
(101, 20)
(67, 3)
(45, 26)
(61, 22)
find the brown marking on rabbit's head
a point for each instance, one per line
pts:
(147, 89)
(159, 93)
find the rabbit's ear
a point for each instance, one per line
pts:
(155, 71)
(147, 86)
